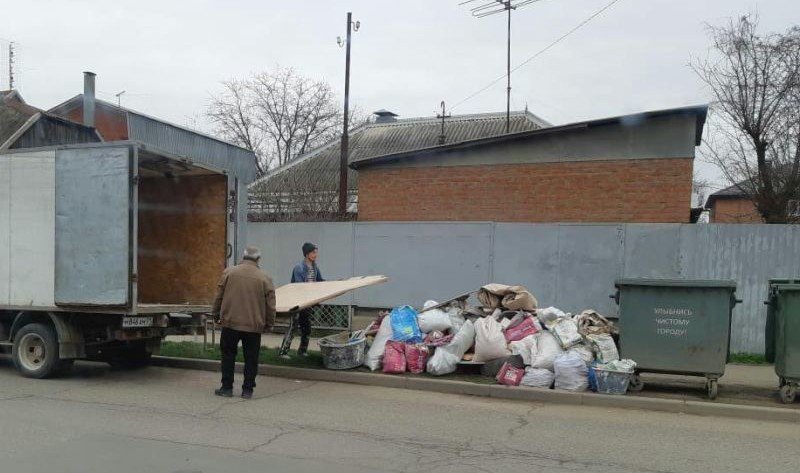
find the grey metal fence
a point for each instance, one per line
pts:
(571, 266)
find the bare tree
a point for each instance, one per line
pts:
(700, 188)
(756, 138)
(278, 114)
(232, 113)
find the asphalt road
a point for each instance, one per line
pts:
(166, 420)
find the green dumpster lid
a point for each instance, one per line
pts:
(729, 283)
(787, 287)
(784, 281)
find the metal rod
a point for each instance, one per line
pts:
(11, 65)
(508, 72)
(345, 137)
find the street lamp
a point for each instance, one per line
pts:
(351, 26)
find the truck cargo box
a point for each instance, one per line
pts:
(115, 228)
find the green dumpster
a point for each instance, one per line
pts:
(782, 334)
(676, 327)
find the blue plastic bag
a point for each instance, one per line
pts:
(404, 325)
(592, 377)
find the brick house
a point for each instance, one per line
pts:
(731, 205)
(632, 168)
(307, 187)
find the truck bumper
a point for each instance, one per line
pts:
(161, 326)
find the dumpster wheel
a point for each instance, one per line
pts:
(636, 385)
(788, 393)
(712, 388)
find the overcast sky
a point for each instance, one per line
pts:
(169, 56)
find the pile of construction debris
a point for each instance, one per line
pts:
(507, 336)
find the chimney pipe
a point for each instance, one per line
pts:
(88, 98)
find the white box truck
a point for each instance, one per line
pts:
(104, 250)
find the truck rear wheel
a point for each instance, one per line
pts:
(35, 351)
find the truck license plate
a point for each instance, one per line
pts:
(135, 322)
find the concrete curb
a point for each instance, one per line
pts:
(700, 408)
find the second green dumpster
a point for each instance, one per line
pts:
(782, 335)
(676, 326)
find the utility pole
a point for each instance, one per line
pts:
(508, 7)
(11, 65)
(345, 151)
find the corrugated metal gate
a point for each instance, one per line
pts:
(571, 266)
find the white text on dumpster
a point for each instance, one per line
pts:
(671, 321)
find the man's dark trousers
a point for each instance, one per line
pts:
(304, 322)
(229, 346)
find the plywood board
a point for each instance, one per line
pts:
(182, 238)
(298, 296)
(5, 228)
(32, 233)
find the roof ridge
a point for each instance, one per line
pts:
(464, 117)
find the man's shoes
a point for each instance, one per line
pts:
(223, 392)
(247, 394)
(304, 354)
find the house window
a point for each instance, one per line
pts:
(794, 208)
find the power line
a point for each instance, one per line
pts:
(539, 53)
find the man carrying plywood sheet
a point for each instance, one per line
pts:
(307, 290)
(305, 271)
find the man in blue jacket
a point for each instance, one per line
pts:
(305, 271)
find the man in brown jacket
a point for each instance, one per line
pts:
(245, 306)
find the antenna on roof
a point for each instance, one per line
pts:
(119, 98)
(443, 116)
(492, 7)
(10, 65)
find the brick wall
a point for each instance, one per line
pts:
(734, 211)
(647, 190)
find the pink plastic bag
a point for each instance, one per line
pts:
(394, 357)
(509, 375)
(416, 358)
(529, 326)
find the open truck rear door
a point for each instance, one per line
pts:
(93, 227)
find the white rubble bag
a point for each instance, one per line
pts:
(523, 348)
(434, 319)
(545, 351)
(549, 316)
(537, 378)
(490, 341)
(375, 353)
(456, 319)
(586, 353)
(566, 332)
(571, 372)
(445, 359)
(604, 347)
